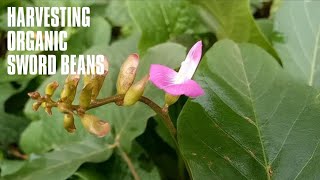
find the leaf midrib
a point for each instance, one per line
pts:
(253, 110)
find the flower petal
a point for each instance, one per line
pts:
(190, 64)
(162, 76)
(195, 52)
(189, 88)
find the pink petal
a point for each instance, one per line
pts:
(162, 76)
(189, 88)
(195, 52)
(190, 64)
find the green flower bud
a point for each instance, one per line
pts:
(97, 80)
(127, 74)
(34, 95)
(85, 96)
(36, 105)
(135, 91)
(68, 123)
(70, 89)
(51, 88)
(170, 99)
(94, 125)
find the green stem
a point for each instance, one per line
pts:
(119, 98)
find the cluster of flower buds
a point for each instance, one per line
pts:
(125, 83)
(92, 84)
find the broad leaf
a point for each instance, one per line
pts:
(300, 25)
(117, 169)
(118, 13)
(254, 121)
(11, 127)
(62, 163)
(161, 21)
(98, 34)
(232, 19)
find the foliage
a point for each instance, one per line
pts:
(258, 118)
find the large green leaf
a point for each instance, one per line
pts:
(300, 25)
(254, 121)
(117, 13)
(62, 163)
(161, 21)
(10, 125)
(232, 19)
(117, 169)
(99, 33)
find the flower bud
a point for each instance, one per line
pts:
(135, 91)
(34, 95)
(48, 110)
(170, 99)
(51, 88)
(36, 105)
(85, 96)
(70, 88)
(106, 66)
(127, 73)
(94, 125)
(68, 123)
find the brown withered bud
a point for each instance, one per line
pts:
(34, 95)
(68, 123)
(36, 105)
(94, 125)
(135, 91)
(51, 88)
(85, 96)
(48, 110)
(70, 89)
(127, 73)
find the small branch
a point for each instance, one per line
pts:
(126, 158)
(16, 152)
(119, 98)
(100, 102)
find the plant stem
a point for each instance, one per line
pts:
(165, 116)
(119, 98)
(126, 158)
(111, 99)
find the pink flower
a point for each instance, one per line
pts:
(179, 83)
